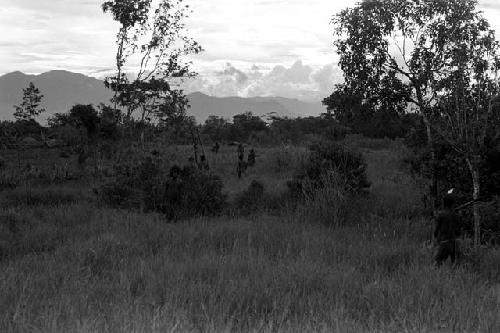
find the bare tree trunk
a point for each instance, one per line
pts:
(474, 170)
(434, 191)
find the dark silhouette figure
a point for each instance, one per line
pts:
(241, 151)
(242, 166)
(175, 172)
(251, 157)
(83, 155)
(447, 231)
(216, 147)
(172, 193)
(203, 165)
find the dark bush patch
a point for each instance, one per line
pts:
(180, 194)
(192, 193)
(327, 158)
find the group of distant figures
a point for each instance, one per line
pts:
(242, 164)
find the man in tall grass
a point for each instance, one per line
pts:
(447, 231)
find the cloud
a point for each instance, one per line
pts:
(231, 71)
(59, 34)
(327, 77)
(298, 73)
(490, 4)
(298, 80)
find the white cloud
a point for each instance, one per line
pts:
(297, 80)
(57, 34)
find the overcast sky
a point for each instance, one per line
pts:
(252, 47)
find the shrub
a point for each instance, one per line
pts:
(252, 199)
(327, 158)
(134, 180)
(181, 194)
(192, 193)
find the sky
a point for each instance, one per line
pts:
(251, 47)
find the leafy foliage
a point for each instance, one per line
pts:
(81, 117)
(393, 53)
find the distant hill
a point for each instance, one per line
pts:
(203, 105)
(62, 90)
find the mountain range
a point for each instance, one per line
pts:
(63, 89)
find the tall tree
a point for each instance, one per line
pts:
(30, 106)
(438, 56)
(400, 53)
(152, 44)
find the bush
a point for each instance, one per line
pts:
(252, 199)
(193, 193)
(327, 158)
(181, 194)
(135, 181)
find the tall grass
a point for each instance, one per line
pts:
(366, 271)
(133, 273)
(325, 205)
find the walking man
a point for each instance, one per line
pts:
(447, 231)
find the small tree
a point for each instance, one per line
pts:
(29, 108)
(155, 40)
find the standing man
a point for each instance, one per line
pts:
(251, 157)
(447, 231)
(241, 151)
(216, 147)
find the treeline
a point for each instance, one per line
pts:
(87, 123)
(81, 124)
(247, 127)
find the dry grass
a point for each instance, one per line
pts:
(133, 273)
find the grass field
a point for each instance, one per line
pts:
(79, 267)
